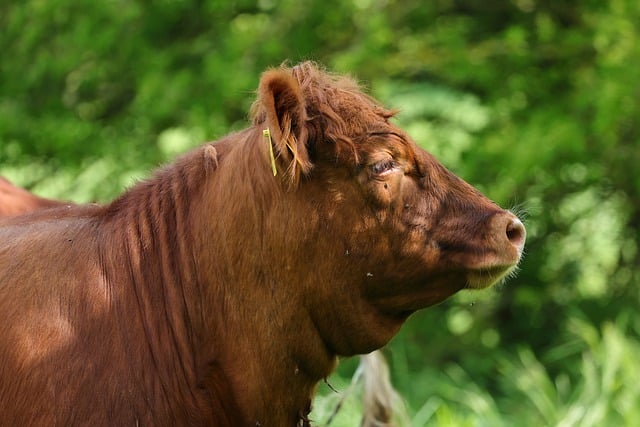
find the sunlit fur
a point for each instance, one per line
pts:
(217, 294)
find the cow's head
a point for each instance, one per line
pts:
(374, 226)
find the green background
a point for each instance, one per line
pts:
(537, 103)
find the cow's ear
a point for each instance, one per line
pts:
(282, 107)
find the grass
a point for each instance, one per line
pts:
(597, 385)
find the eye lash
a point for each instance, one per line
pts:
(382, 167)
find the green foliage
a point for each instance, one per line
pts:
(533, 102)
(528, 393)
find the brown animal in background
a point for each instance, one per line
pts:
(16, 201)
(217, 293)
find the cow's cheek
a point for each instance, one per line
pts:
(414, 235)
(379, 194)
(412, 214)
(383, 192)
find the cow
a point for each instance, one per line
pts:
(15, 200)
(380, 400)
(222, 290)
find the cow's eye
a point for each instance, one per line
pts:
(383, 167)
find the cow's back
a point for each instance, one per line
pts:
(41, 254)
(62, 338)
(76, 339)
(54, 305)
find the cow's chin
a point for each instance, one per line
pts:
(482, 278)
(415, 297)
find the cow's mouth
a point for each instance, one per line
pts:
(482, 278)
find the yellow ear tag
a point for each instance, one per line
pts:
(267, 135)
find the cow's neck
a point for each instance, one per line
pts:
(274, 372)
(273, 358)
(242, 346)
(150, 227)
(258, 331)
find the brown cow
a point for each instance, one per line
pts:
(219, 292)
(380, 400)
(15, 200)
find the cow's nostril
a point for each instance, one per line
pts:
(516, 233)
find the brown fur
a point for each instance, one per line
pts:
(217, 294)
(380, 400)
